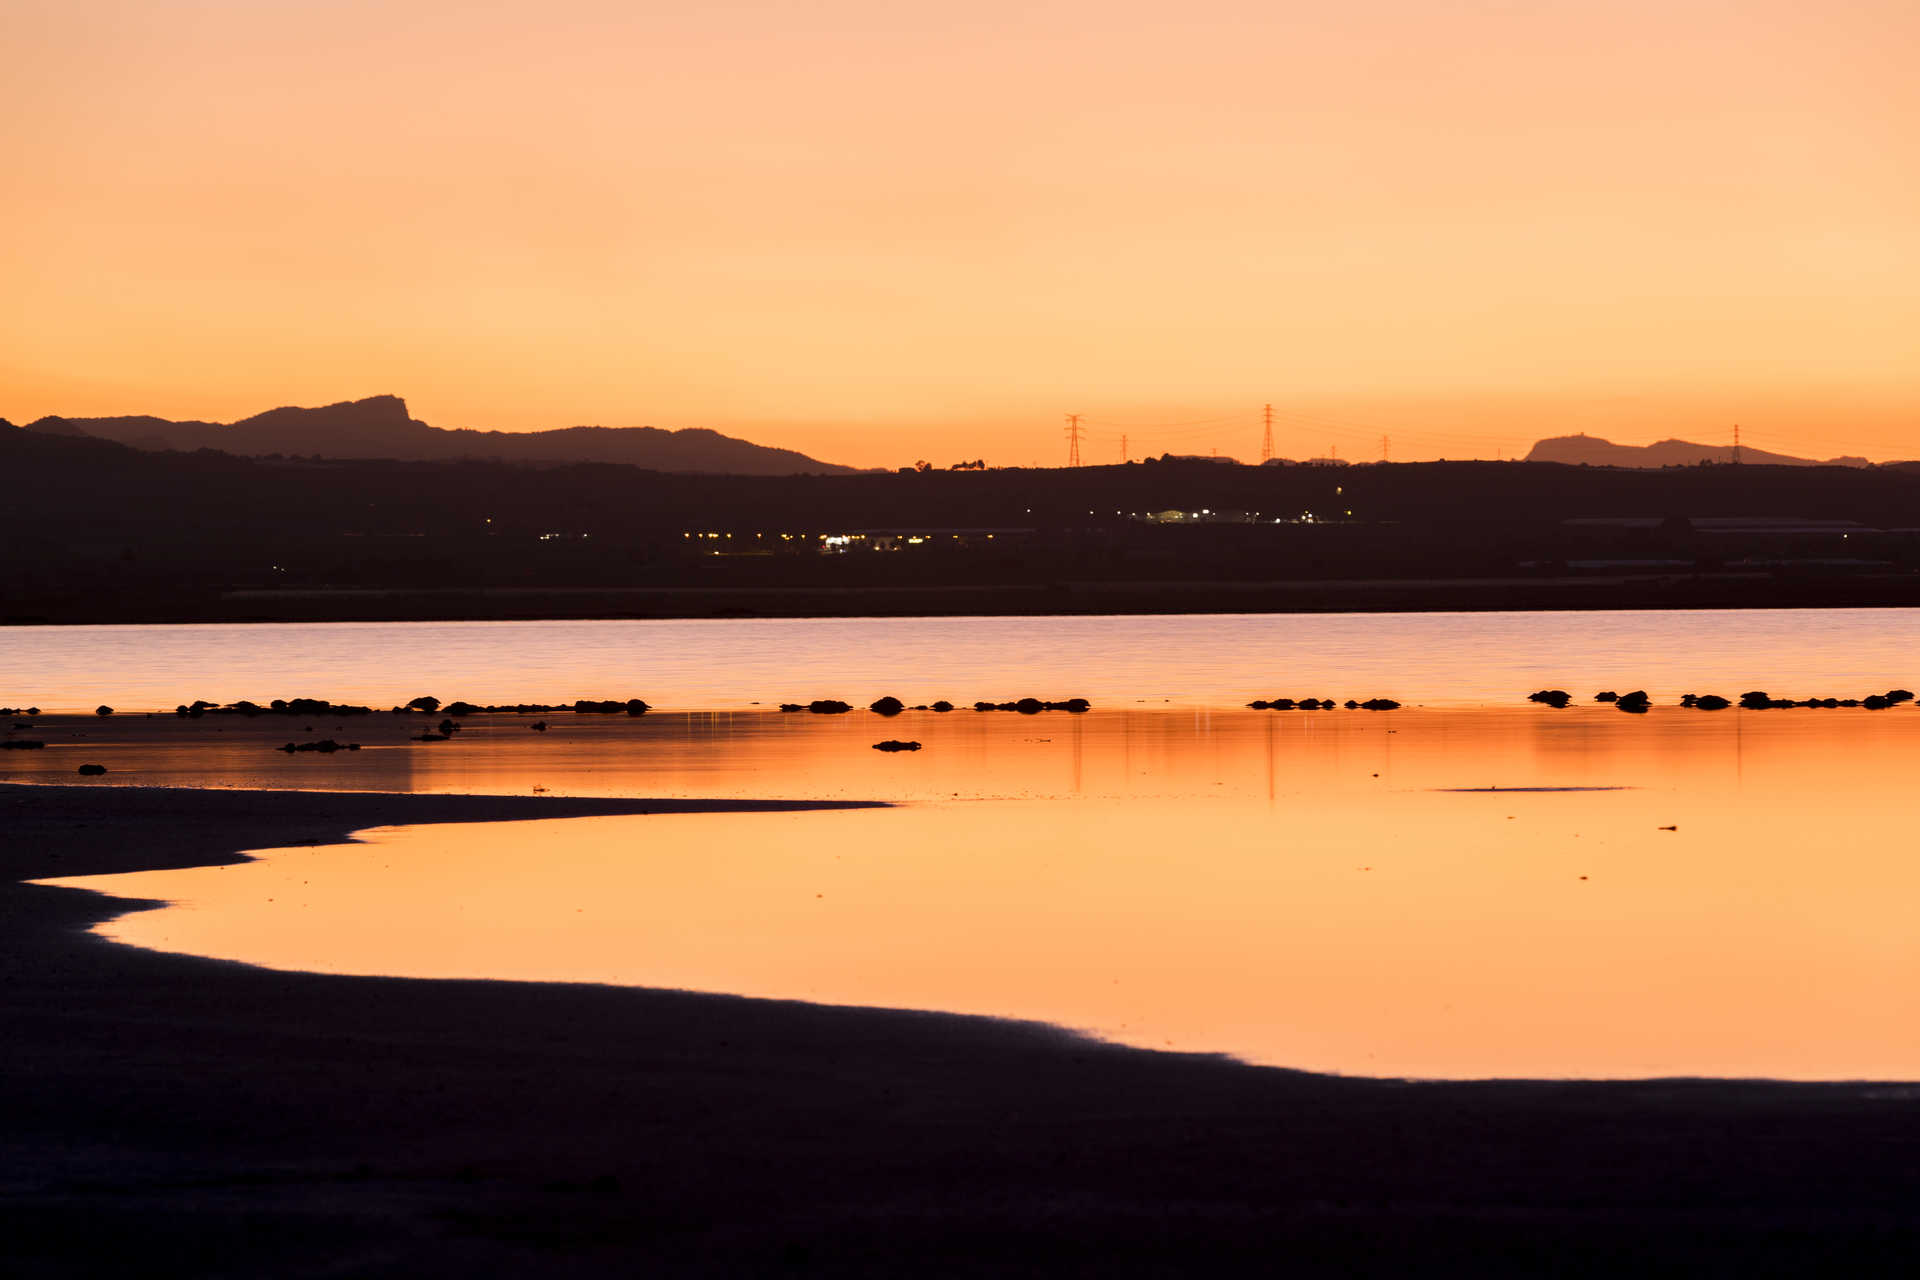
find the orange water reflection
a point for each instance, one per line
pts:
(1306, 890)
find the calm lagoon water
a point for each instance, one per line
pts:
(1450, 659)
(1447, 890)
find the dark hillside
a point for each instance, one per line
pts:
(96, 531)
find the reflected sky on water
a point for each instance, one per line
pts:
(1406, 893)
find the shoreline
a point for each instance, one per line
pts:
(189, 1116)
(1054, 597)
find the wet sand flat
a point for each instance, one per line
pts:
(189, 1117)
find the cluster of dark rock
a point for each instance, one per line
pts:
(278, 707)
(1636, 702)
(1034, 706)
(891, 706)
(19, 711)
(1760, 700)
(91, 770)
(21, 744)
(1322, 704)
(1753, 700)
(580, 706)
(326, 747)
(894, 744)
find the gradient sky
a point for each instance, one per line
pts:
(884, 231)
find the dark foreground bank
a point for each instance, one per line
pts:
(170, 1116)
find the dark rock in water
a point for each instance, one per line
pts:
(449, 727)
(91, 770)
(1849, 702)
(461, 708)
(538, 726)
(431, 736)
(1351, 705)
(1637, 701)
(942, 705)
(1379, 704)
(1551, 697)
(22, 744)
(1029, 706)
(103, 710)
(1607, 695)
(1711, 702)
(1875, 702)
(326, 746)
(791, 706)
(1898, 695)
(1689, 699)
(428, 705)
(610, 707)
(1259, 704)
(894, 744)
(888, 706)
(1755, 700)
(828, 707)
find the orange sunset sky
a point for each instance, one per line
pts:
(880, 231)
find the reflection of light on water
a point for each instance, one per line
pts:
(1515, 892)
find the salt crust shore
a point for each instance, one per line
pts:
(163, 1116)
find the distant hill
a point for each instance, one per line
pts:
(380, 427)
(1588, 450)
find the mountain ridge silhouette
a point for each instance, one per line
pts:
(381, 427)
(1585, 450)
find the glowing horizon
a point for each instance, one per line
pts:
(876, 234)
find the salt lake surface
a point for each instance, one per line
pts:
(1450, 659)
(1447, 890)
